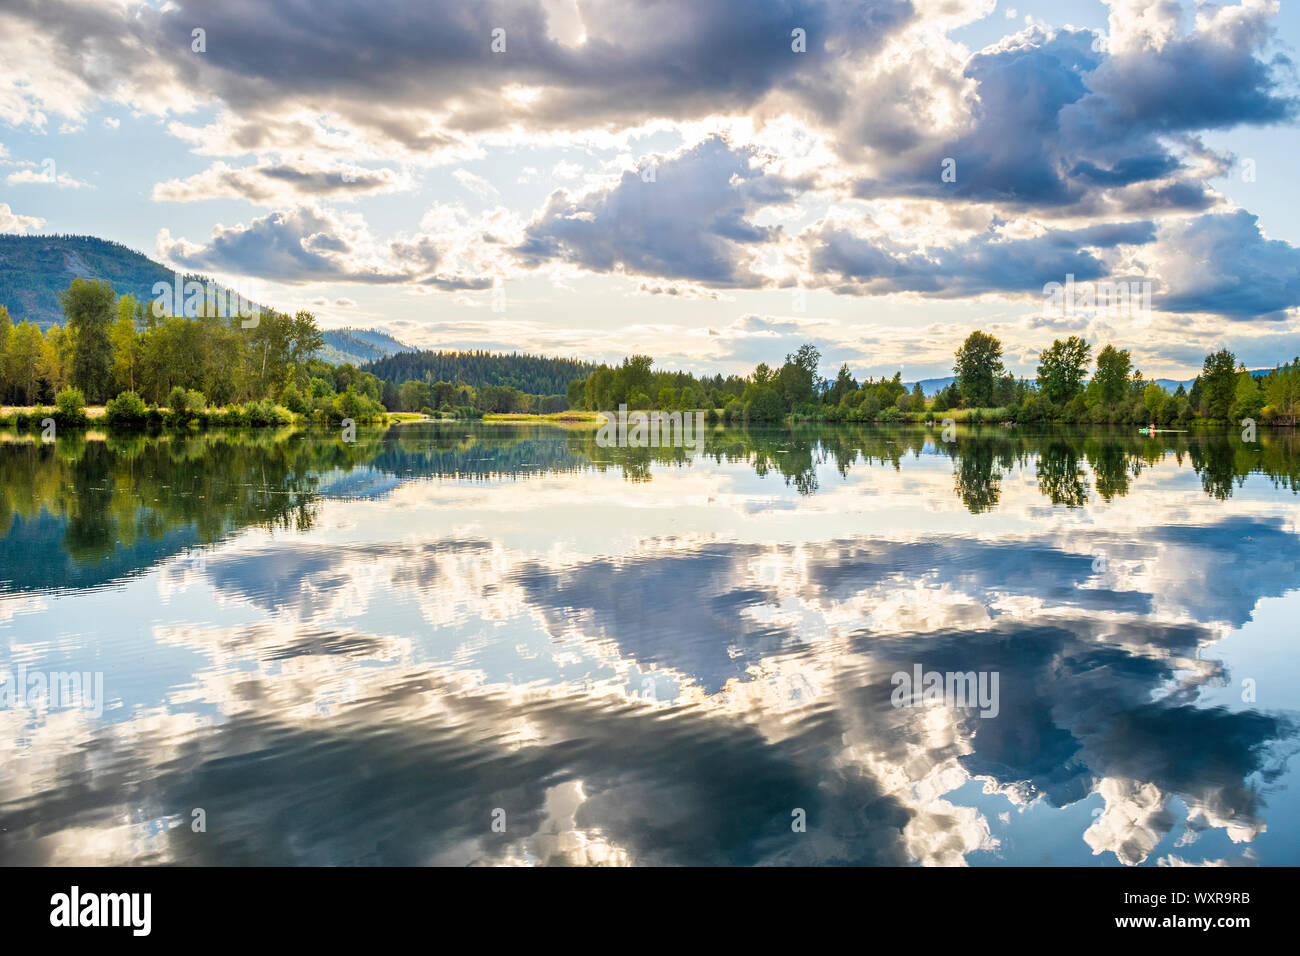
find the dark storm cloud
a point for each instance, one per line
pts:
(391, 65)
(1056, 121)
(1224, 265)
(676, 56)
(1219, 263)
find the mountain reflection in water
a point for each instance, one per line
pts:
(355, 653)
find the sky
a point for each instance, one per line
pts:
(711, 183)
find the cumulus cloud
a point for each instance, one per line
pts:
(33, 175)
(1081, 123)
(689, 217)
(1222, 264)
(829, 174)
(312, 244)
(11, 221)
(989, 262)
(440, 78)
(300, 245)
(279, 183)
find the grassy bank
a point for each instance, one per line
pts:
(572, 417)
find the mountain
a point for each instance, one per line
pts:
(35, 269)
(359, 346)
(932, 386)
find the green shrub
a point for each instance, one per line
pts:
(322, 408)
(355, 405)
(29, 419)
(293, 400)
(128, 410)
(186, 407)
(266, 412)
(70, 407)
(766, 406)
(349, 405)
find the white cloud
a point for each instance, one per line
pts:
(281, 182)
(479, 186)
(11, 221)
(37, 177)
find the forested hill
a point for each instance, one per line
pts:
(35, 269)
(534, 374)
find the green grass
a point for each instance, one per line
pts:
(572, 417)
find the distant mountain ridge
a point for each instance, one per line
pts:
(933, 386)
(360, 346)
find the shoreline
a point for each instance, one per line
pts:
(29, 418)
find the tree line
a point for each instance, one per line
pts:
(180, 369)
(1067, 388)
(117, 351)
(529, 374)
(462, 400)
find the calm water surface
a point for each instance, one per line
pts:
(368, 653)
